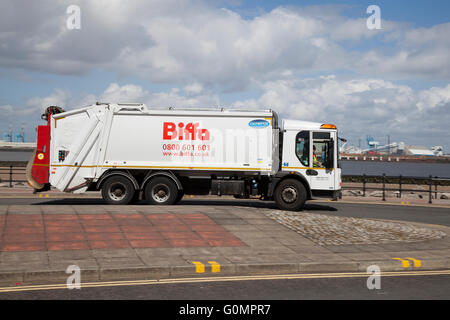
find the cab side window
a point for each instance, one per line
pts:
(322, 150)
(302, 147)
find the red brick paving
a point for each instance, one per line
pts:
(67, 245)
(35, 232)
(37, 246)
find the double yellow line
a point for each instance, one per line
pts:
(224, 279)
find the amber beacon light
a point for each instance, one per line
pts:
(328, 126)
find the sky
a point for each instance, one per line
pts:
(314, 60)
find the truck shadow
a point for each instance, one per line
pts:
(191, 202)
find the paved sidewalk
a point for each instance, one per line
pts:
(39, 242)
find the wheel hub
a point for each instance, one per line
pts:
(160, 193)
(289, 194)
(117, 191)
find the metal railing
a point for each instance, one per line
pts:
(399, 181)
(10, 171)
(432, 183)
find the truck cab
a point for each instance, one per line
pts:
(309, 154)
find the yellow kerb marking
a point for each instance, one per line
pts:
(405, 263)
(417, 262)
(215, 267)
(199, 267)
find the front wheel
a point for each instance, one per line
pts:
(290, 195)
(161, 191)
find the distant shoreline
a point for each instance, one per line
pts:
(386, 158)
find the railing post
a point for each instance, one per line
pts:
(431, 185)
(384, 191)
(400, 186)
(10, 175)
(364, 185)
(435, 187)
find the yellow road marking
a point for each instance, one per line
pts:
(225, 279)
(417, 262)
(215, 267)
(199, 267)
(405, 263)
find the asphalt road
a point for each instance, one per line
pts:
(405, 287)
(421, 214)
(396, 287)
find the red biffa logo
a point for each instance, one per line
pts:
(190, 131)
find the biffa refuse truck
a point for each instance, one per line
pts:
(129, 152)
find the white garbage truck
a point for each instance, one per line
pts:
(131, 152)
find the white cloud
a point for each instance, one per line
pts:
(421, 52)
(123, 94)
(434, 98)
(193, 88)
(115, 93)
(37, 105)
(197, 49)
(360, 106)
(6, 109)
(187, 42)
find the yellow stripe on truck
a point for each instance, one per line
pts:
(306, 168)
(158, 167)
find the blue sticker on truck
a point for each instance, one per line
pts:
(259, 123)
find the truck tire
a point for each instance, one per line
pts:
(180, 196)
(161, 191)
(118, 190)
(290, 195)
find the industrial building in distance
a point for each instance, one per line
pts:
(392, 152)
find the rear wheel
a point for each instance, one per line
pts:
(118, 190)
(290, 195)
(161, 191)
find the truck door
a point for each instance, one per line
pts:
(323, 151)
(297, 152)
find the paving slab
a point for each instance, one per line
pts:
(38, 243)
(308, 249)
